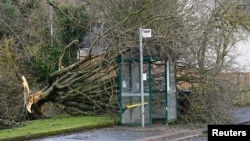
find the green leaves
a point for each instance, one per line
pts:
(71, 22)
(9, 14)
(46, 61)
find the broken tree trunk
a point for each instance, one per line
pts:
(32, 101)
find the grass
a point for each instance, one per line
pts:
(55, 125)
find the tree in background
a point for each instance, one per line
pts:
(214, 29)
(72, 22)
(9, 60)
(69, 23)
(9, 15)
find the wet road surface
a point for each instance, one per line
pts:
(117, 133)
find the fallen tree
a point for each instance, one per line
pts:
(87, 87)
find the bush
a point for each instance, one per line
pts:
(9, 14)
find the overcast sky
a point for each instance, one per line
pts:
(244, 57)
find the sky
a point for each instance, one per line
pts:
(244, 54)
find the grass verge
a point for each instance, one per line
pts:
(55, 125)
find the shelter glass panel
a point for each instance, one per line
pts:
(131, 95)
(158, 90)
(172, 102)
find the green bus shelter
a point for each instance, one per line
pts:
(159, 80)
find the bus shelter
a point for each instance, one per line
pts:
(159, 90)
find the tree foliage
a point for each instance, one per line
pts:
(71, 21)
(9, 14)
(214, 31)
(68, 23)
